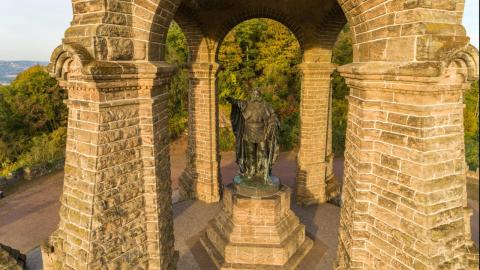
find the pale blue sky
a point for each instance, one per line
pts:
(31, 29)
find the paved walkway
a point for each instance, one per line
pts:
(30, 215)
(321, 225)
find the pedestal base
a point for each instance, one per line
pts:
(256, 233)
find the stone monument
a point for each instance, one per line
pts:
(256, 229)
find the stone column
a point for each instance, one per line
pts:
(201, 179)
(116, 208)
(404, 204)
(154, 124)
(315, 179)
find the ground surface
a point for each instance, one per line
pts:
(29, 214)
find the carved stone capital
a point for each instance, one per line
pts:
(317, 69)
(203, 70)
(425, 78)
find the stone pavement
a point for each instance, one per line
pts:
(191, 219)
(29, 216)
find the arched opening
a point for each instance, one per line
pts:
(342, 54)
(255, 53)
(260, 53)
(177, 53)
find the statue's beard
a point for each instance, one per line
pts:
(256, 98)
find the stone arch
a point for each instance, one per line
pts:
(469, 59)
(316, 46)
(199, 45)
(254, 13)
(150, 22)
(63, 56)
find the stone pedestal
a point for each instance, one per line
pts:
(256, 233)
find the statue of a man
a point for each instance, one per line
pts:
(255, 126)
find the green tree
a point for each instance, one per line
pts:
(177, 53)
(31, 107)
(342, 55)
(471, 126)
(263, 53)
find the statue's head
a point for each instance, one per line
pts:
(255, 94)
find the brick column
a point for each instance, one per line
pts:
(404, 202)
(116, 210)
(201, 179)
(315, 180)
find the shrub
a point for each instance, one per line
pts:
(226, 140)
(32, 121)
(45, 151)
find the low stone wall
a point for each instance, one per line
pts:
(29, 173)
(12, 259)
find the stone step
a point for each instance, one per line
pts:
(292, 263)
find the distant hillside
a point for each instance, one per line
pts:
(10, 69)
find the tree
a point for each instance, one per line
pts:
(177, 53)
(471, 126)
(342, 55)
(264, 53)
(31, 107)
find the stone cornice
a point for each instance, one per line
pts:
(203, 70)
(317, 68)
(418, 72)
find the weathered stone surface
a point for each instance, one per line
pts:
(404, 198)
(201, 179)
(315, 180)
(256, 233)
(116, 205)
(404, 188)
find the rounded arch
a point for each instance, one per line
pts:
(253, 13)
(468, 59)
(199, 47)
(151, 21)
(64, 55)
(316, 44)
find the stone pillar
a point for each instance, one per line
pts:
(116, 210)
(404, 204)
(155, 152)
(315, 179)
(201, 179)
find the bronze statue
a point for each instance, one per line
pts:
(255, 126)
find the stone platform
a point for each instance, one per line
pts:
(256, 233)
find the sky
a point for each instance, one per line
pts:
(31, 29)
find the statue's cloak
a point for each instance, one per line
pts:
(238, 127)
(271, 136)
